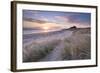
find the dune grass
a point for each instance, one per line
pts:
(34, 52)
(76, 47)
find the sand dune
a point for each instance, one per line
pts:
(71, 44)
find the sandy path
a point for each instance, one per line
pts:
(57, 53)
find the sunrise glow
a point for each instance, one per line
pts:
(45, 28)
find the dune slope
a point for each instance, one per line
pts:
(70, 44)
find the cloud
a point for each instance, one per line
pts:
(62, 18)
(39, 18)
(82, 18)
(43, 18)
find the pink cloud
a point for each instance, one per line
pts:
(43, 18)
(62, 18)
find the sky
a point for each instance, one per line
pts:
(57, 19)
